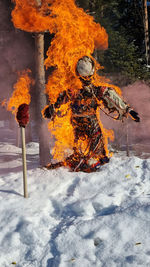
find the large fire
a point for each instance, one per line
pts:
(75, 35)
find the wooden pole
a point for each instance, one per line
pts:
(18, 137)
(127, 140)
(41, 101)
(146, 31)
(24, 162)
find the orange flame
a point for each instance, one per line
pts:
(62, 129)
(76, 35)
(21, 93)
(28, 16)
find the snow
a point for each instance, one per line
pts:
(74, 219)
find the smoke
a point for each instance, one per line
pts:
(137, 96)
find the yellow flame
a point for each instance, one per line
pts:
(21, 93)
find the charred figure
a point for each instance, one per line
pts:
(84, 119)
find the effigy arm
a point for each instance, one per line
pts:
(114, 102)
(51, 110)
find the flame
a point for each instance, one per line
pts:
(21, 93)
(76, 34)
(28, 16)
(62, 129)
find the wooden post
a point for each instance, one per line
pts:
(41, 100)
(146, 31)
(127, 140)
(92, 8)
(18, 136)
(24, 162)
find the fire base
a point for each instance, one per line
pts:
(76, 165)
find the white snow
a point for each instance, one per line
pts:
(74, 219)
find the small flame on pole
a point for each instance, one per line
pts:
(18, 104)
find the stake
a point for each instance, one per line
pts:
(127, 140)
(24, 162)
(146, 31)
(18, 137)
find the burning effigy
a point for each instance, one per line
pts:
(89, 150)
(76, 92)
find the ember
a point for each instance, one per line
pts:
(76, 92)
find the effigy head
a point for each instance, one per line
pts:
(85, 67)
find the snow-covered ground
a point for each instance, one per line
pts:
(74, 219)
